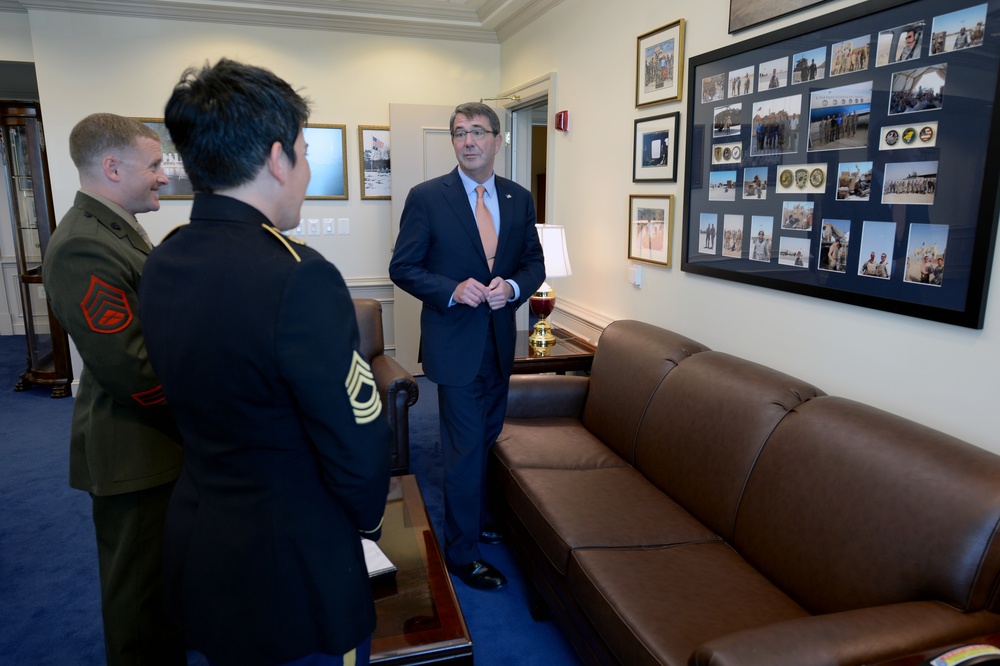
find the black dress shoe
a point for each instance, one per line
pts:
(479, 575)
(491, 534)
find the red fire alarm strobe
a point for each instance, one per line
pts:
(562, 121)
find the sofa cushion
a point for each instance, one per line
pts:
(613, 507)
(657, 605)
(849, 506)
(558, 443)
(631, 360)
(705, 426)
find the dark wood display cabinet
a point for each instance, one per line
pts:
(31, 212)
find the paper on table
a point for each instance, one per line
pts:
(376, 560)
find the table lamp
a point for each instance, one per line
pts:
(543, 301)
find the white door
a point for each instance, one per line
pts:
(421, 150)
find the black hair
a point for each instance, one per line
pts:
(224, 119)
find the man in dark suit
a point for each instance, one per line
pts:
(255, 339)
(468, 249)
(124, 446)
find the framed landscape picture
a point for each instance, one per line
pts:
(651, 228)
(745, 14)
(327, 160)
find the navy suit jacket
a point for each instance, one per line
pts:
(286, 452)
(438, 247)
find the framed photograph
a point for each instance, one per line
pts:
(655, 148)
(650, 228)
(179, 186)
(327, 160)
(745, 14)
(864, 170)
(376, 169)
(659, 65)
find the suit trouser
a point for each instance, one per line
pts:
(130, 555)
(471, 418)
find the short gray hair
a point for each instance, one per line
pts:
(473, 109)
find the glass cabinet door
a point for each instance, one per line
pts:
(33, 220)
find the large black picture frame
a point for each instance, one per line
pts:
(881, 148)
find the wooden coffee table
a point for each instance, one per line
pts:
(419, 619)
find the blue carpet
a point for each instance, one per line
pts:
(49, 595)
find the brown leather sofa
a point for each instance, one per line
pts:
(396, 386)
(684, 506)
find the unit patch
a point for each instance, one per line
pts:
(362, 391)
(105, 308)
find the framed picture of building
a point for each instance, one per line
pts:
(376, 168)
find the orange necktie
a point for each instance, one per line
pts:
(487, 232)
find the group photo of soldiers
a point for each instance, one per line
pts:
(659, 66)
(776, 126)
(839, 117)
(919, 89)
(850, 56)
(911, 183)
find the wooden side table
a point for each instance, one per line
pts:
(567, 354)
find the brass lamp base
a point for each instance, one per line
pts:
(542, 303)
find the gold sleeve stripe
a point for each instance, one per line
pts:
(277, 234)
(362, 391)
(376, 528)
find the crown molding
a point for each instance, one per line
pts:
(486, 21)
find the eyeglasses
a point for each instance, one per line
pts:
(477, 134)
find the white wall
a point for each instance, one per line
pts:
(15, 37)
(87, 63)
(941, 375)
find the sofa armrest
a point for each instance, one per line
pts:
(863, 636)
(546, 396)
(399, 392)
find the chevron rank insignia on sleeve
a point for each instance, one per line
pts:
(362, 391)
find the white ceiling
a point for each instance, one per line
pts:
(465, 20)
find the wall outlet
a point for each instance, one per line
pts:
(635, 275)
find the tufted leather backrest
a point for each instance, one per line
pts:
(707, 423)
(632, 359)
(849, 506)
(369, 314)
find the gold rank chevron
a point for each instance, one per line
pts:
(361, 381)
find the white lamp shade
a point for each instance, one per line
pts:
(553, 239)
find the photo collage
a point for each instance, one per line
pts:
(818, 155)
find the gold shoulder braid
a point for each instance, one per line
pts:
(277, 234)
(174, 231)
